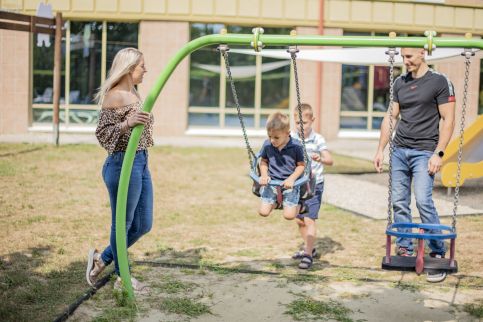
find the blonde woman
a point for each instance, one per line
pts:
(120, 112)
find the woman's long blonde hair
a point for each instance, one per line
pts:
(124, 62)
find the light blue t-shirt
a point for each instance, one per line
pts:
(315, 143)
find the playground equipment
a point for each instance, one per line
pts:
(257, 41)
(305, 182)
(472, 158)
(422, 263)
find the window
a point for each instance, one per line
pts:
(364, 93)
(262, 84)
(83, 50)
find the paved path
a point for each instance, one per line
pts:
(370, 199)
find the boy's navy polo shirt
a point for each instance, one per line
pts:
(281, 164)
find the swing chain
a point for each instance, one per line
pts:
(223, 48)
(392, 52)
(293, 50)
(468, 53)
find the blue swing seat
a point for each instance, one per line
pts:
(420, 263)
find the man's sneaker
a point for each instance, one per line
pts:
(300, 254)
(95, 266)
(438, 276)
(436, 255)
(403, 251)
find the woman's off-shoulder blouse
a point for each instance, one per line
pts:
(108, 131)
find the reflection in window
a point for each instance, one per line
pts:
(353, 122)
(203, 119)
(376, 122)
(43, 73)
(205, 69)
(354, 88)
(381, 87)
(275, 83)
(231, 120)
(45, 115)
(85, 61)
(119, 36)
(243, 71)
(87, 117)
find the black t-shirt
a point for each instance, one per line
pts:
(418, 100)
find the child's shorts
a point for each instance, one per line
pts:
(314, 203)
(268, 194)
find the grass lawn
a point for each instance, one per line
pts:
(54, 207)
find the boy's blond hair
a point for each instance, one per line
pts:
(306, 108)
(278, 122)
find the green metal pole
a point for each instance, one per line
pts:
(240, 39)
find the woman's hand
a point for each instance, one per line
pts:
(138, 118)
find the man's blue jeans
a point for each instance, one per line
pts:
(139, 210)
(409, 165)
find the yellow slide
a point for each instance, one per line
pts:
(472, 159)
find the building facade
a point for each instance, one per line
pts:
(350, 100)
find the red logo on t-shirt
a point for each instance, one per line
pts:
(451, 99)
(413, 87)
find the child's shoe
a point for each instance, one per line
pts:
(403, 251)
(306, 262)
(301, 253)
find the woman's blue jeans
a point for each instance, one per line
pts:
(410, 165)
(139, 210)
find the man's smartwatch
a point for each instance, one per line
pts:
(439, 153)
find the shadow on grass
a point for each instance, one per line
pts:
(27, 294)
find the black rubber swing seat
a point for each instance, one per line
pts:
(420, 263)
(431, 264)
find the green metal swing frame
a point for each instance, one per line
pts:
(257, 41)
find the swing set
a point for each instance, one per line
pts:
(258, 41)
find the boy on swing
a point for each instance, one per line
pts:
(320, 156)
(282, 158)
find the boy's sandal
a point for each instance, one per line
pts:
(300, 254)
(306, 262)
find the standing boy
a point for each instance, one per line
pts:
(320, 156)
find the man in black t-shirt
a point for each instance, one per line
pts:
(422, 98)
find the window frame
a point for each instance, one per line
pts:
(257, 111)
(66, 107)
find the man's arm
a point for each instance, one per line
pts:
(384, 136)
(447, 112)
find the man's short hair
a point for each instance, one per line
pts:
(278, 122)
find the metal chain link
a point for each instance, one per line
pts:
(293, 54)
(391, 52)
(467, 53)
(251, 155)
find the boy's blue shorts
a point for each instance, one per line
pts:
(314, 203)
(268, 194)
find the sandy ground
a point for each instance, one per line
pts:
(264, 297)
